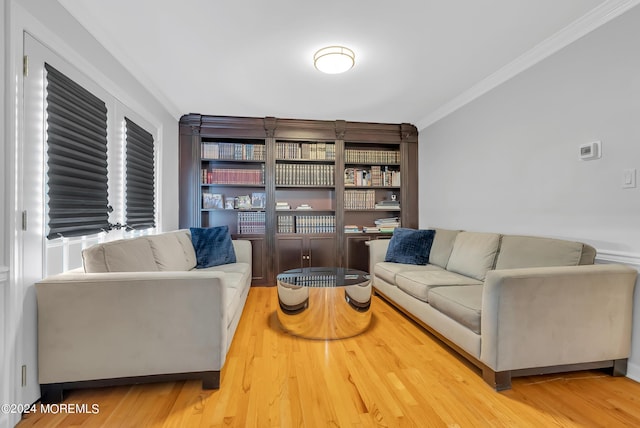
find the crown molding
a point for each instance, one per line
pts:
(597, 17)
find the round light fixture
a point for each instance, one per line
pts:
(334, 59)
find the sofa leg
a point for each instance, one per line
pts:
(619, 367)
(497, 380)
(51, 393)
(211, 380)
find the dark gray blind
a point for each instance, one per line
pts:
(140, 180)
(77, 158)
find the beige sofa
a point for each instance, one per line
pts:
(515, 305)
(144, 314)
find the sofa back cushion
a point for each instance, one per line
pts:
(588, 255)
(442, 246)
(123, 255)
(530, 251)
(474, 254)
(173, 251)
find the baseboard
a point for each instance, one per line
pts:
(633, 371)
(9, 420)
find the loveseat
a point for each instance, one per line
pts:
(139, 311)
(514, 305)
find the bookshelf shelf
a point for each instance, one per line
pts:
(247, 185)
(373, 210)
(295, 162)
(232, 161)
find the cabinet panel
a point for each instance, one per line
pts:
(357, 252)
(289, 253)
(295, 252)
(260, 264)
(322, 251)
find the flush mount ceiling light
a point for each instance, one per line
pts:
(334, 59)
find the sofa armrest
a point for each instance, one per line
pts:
(243, 250)
(120, 324)
(539, 317)
(377, 252)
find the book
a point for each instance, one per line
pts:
(283, 206)
(304, 207)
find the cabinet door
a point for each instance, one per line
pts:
(322, 251)
(289, 253)
(358, 252)
(259, 268)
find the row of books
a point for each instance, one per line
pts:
(359, 199)
(387, 225)
(232, 176)
(232, 151)
(374, 176)
(371, 156)
(388, 205)
(251, 222)
(353, 228)
(305, 151)
(311, 281)
(305, 174)
(306, 224)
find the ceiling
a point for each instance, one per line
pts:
(254, 57)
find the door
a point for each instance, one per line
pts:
(37, 256)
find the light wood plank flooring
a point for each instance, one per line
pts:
(394, 375)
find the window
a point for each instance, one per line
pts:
(76, 158)
(140, 178)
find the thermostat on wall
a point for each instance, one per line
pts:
(590, 151)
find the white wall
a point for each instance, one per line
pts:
(48, 22)
(5, 360)
(508, 161)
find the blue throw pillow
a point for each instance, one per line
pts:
(410, 246)
(213, 246)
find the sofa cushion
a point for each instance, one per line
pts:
(122, 255)
(389, 270)
(418, 283)
(184, 237)
(460, 303)
(442, 246)
(232, 295)
(93, 259)
(213, 246)
(588, 255)
(529, 251)
(474, 253)
(169, 252)
(410, 246)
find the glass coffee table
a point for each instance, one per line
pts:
(324, 302)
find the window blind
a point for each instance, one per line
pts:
(77, 158)
(140, 177)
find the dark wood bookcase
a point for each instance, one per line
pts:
(234, 171)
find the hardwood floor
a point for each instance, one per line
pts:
(394, 375)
